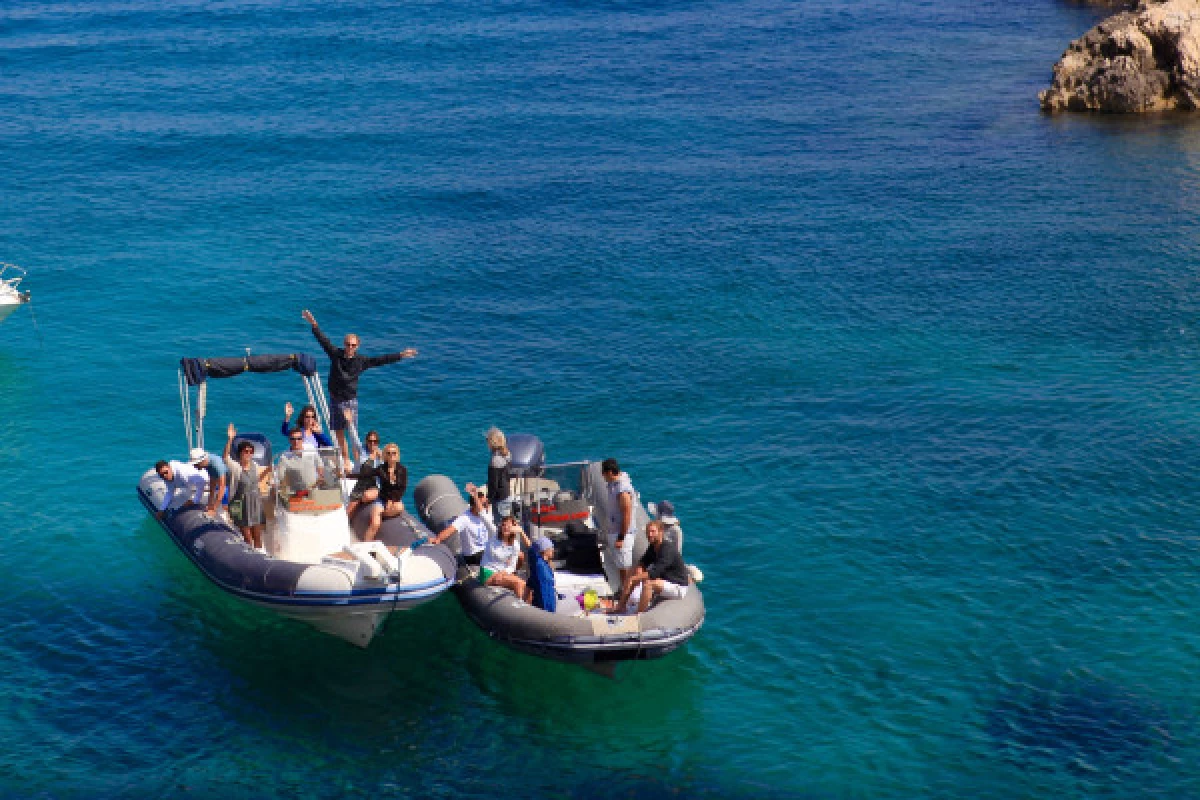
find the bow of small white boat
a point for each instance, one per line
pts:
(11, 296)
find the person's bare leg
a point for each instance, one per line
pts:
(248, 535)
(629, 578)
(623, 593)
(376, 521)
(256, 531)
(649, 589)
(341, 440)
(215, 493)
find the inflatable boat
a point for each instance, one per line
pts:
(11, 297)
(313, 566)
(566, 503)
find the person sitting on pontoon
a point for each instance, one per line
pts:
(180, 477)
(474, 526)
(366, 488)
(362, 454)
(393, 481)
(661, 572)
(215, 467)
(308, 424)
(541, 574)
(502, 558)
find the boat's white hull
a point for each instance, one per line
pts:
(7, 308)
(356, 627)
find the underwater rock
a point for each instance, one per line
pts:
(1078, 722)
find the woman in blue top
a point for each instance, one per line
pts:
(308, 425)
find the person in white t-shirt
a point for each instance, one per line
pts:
(474, 527)
(501, 559)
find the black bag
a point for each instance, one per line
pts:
(583, 549)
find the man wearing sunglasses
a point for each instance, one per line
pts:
(346, 364)
(474, 526)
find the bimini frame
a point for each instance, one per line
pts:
(195, 373)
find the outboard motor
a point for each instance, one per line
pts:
(528, 455)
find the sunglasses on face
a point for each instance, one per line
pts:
(296, 438)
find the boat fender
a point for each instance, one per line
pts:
(324, 579)
(695, 572)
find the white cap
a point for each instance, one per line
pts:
(197, 454)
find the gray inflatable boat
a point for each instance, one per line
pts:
(567, 504)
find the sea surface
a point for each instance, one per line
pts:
(917, 364)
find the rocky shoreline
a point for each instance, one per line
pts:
(1145, 59)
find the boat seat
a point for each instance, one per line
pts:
(262, 447)
(532, 486)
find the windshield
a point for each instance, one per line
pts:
(556, 497)
(302, 472)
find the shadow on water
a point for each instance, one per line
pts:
(16, 396)
(621, 786)
(1077, 722)
(417, 695)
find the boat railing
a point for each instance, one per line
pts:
(11, 274)
(10, 278)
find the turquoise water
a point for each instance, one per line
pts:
(916, 364)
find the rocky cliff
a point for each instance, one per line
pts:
(1145, 59)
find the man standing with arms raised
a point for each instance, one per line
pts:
(345, 365)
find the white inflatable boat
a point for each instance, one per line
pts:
(315, 568)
